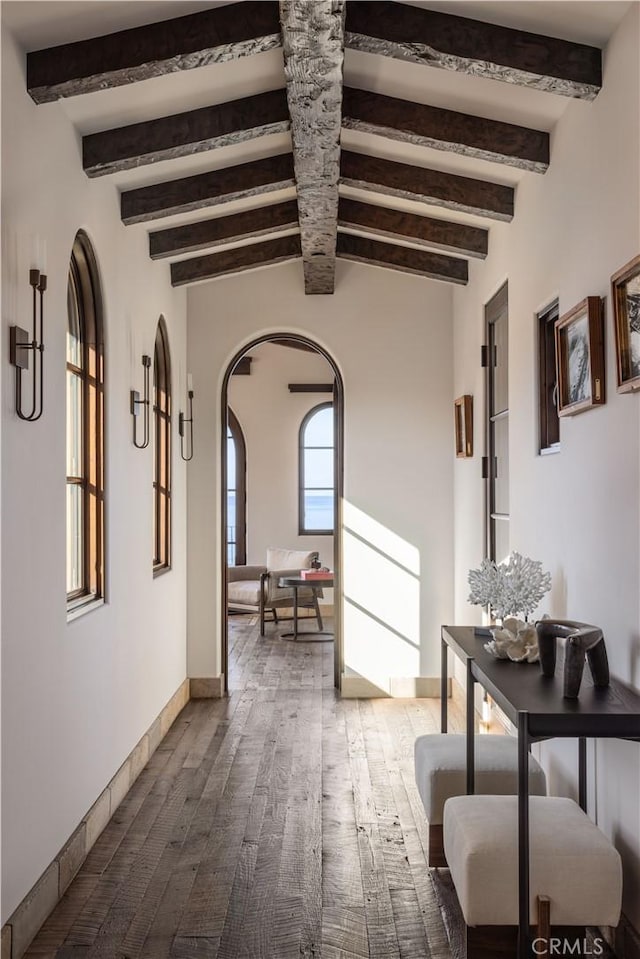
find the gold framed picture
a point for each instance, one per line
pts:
(625, 296)
(580, 357)
(463, 413)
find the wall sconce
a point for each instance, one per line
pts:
(136, 402)
(182, 419)
(20, 345)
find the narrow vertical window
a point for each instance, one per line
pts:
(549, 426)
(85, 429)
(316, 471)
(161, 451)
(236, 493)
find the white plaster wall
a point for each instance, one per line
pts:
(578, 510)
(390, 335)
(76, 697)
(270, 417)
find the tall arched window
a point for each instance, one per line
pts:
(236, 492)
(316, 471)
(161, 451)
(85, 429)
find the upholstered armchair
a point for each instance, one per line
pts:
(251, 587)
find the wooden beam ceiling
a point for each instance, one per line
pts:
(212, 36)
(203, 234)
(445, 130)
(481, 197)
(183, 134)
(434, 266)
(471, 46)
(441, 234)
(313, 44)
(315, 106)
(235, 261)
(207, 189)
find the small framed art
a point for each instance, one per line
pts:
(463, 411)
(625, 296)
(580, 357)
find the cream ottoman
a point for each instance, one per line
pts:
(441, 772)
(572, 864)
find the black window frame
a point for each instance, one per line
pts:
(302, 530)
(548, 419)
(240, 542)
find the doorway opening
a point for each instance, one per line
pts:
(286, 472)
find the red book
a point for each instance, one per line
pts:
(316, 574)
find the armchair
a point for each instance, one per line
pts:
(257, 586)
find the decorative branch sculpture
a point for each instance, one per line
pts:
(582, 640)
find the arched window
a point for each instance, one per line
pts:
(85, 429)
(161, 451)
(236, 493)
(316, 471)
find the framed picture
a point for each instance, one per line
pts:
(625, 296)
(580, 357)
(463, 411)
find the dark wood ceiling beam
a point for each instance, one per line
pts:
(207, 189)
(447, 190)
(235, 261)
(204, 234)
(435, 266)
(313, 44)
(471, 46)
(183, 134)
(212, 36)
(445, 130)
(441, 234)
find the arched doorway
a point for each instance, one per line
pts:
(338, 405)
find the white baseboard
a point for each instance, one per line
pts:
(354, 686)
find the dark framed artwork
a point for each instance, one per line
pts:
(625, 296)
(580, 357)
(463, 412)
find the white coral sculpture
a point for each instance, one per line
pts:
(511, 588)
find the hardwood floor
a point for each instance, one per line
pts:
(281, 822)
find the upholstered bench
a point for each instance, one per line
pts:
(441, 772)
(572, 864)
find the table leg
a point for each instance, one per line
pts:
(444, 690)
(523, 835)
(582, 773)
(295, 613)
(471, 730)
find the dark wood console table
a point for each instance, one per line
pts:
(536, 707)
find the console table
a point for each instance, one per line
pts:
(536, 707)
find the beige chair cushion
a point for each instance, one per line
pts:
(572, 862)
(289, 559)
(245, 592)
(441, 769)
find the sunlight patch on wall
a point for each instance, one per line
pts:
(381, 583)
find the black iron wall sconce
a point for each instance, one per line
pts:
(20, 345)
(182, 419)
(136, 403)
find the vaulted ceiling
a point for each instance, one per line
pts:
(256, 132)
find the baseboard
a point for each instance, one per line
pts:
(23, 925)
(206, 687)
(354, 686)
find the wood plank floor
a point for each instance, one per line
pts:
(280, 822)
